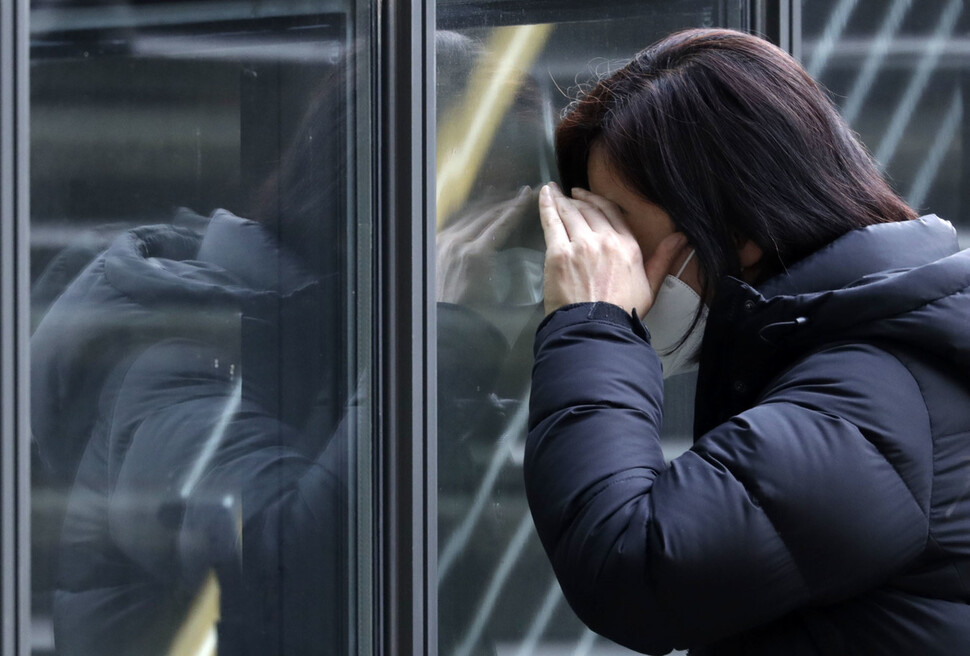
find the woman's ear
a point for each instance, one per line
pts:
(749, 253)
(749, 256)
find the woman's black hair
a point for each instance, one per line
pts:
(732, 138)
(303, 201)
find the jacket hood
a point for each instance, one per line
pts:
(232, 286)
(907, 283)
(235, 261)
(904, 285)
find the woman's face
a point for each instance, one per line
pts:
(648, 222)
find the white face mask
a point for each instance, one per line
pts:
(669, 320)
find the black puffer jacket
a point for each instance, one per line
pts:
(825, 505)
(187, 389)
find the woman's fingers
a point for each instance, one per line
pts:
(552, 224)
(577, 227)
(585, 213)
(660, 263)
(592, 254)
(609, 210)
(586, 260)
(595, 218)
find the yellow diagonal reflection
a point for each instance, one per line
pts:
(197, 635)
(466, 133)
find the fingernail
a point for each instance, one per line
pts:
(577, 190)
(544, 193)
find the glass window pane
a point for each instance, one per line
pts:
(199, 222)
(505, 75)
(898, 71)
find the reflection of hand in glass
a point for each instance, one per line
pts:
(467, 247)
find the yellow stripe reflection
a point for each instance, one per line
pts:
(197, 636)
(465, 135)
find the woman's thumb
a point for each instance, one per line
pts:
(663, 259)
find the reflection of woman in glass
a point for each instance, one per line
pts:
(190, 394)
(189, 386)
(823, 508)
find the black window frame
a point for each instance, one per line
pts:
(405, 334)
(14, 330)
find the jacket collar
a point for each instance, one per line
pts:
(843, 290)
(246, 250)
(873, 249)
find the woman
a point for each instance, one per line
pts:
(825, 505)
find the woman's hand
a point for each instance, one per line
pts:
(591, 254)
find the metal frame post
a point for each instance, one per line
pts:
(14, 330)
(779, 21)
(406, 331)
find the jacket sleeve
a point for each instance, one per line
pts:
(817, 493)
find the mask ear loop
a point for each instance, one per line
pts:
(686, 262)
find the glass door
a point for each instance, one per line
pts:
(200, 296)
(505, 74)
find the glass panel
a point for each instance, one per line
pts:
(504, 76)
(899, 71)
(200, 221)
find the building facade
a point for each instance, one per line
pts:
(376, 335)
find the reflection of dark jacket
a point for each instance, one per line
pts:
(825, 505)
(192, 384)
